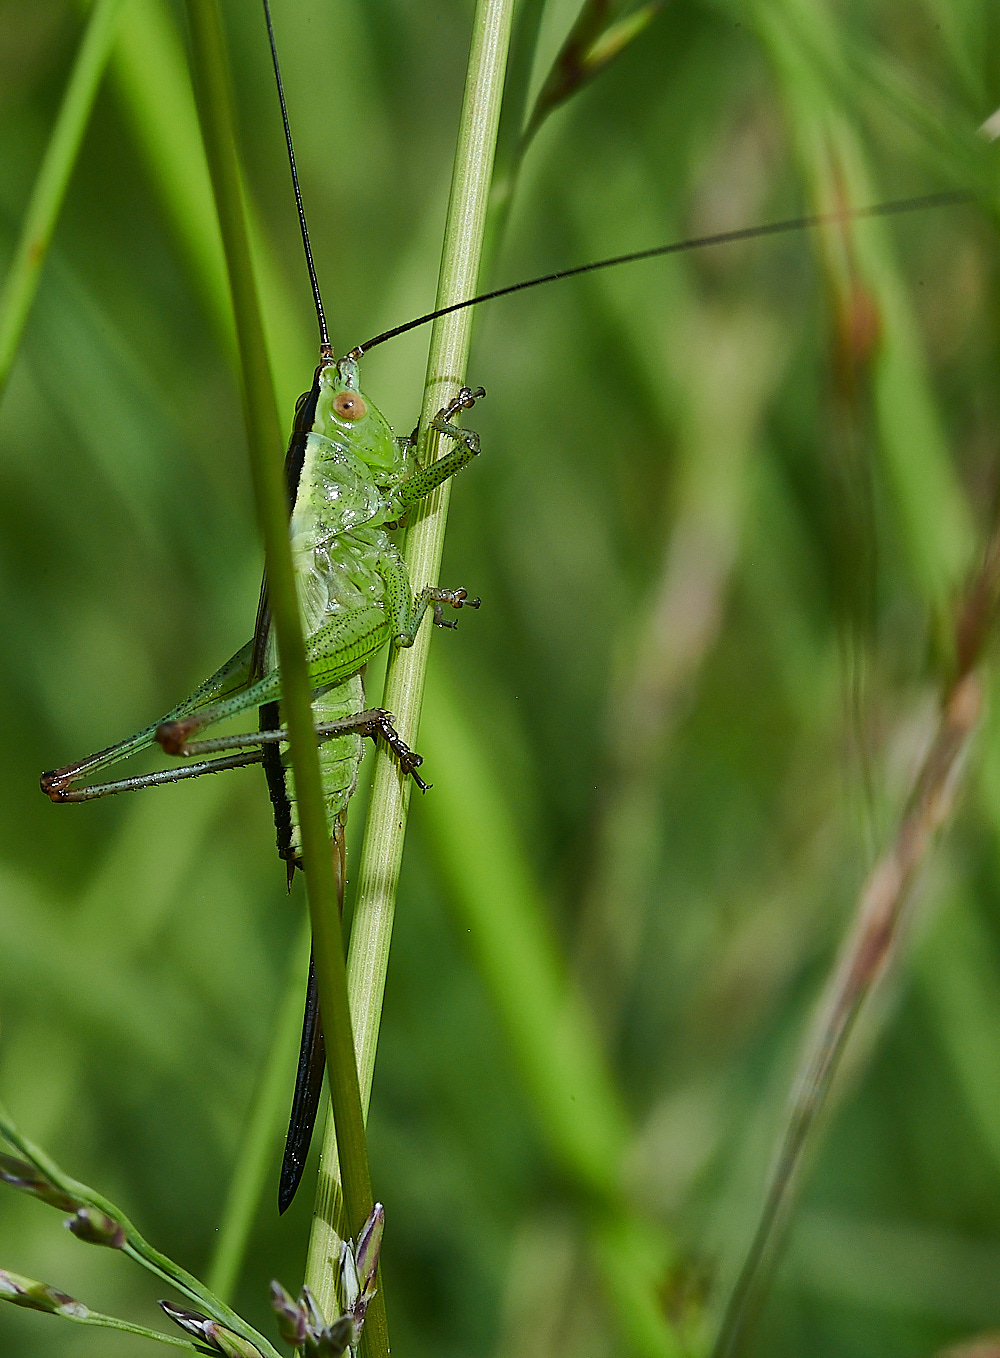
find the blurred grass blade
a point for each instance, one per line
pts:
(378, 874)
(554, 1044)
(958, 967)
(959, 974)
(506, 918)
(870, 947)
(513, 114)
(149, 68)
(869, 950)
(21, 282)
(728, 369)
(150, 71)
(264, 1125)
(599, 34)
(928, 497)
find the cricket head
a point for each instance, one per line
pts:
(343, 413)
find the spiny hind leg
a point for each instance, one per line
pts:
(374, 723)
(336, 650)
(58, 784)
(381, 724)
(64, 791)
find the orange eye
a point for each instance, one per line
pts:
(350, 405)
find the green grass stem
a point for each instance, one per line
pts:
(264, 434)
(264, 1124)
(47, 196)
(105, 1322)
(381, 853)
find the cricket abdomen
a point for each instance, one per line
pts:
(339, 761)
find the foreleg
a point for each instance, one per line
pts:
(407, 616)
(422, 482)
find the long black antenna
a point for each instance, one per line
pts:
(930, 200)
(325, 347)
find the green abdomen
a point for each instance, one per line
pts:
(339, 758)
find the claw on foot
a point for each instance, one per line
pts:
(457, 598)
(409, 761)
(465, 400)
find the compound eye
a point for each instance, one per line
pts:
(350, 405)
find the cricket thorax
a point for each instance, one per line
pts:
(337, 575)
(337, 491)
(351, 462)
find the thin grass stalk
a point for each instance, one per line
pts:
(385, 828)
(105, 1322)
(132, 1244)
(871, 947)
(47, 196)
(264, 1123)
(149, 69)
(264, 436)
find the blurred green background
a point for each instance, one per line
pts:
(724, 508)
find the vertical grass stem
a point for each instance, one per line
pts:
(47, 196)
(383, 844)
(213, 90)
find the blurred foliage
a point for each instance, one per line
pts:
(723, 509)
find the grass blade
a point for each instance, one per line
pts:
(371, 932)
(21, 283)
(264, 434)
(870, 948)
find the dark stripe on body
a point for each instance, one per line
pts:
(312, 1049)
(270, 715)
